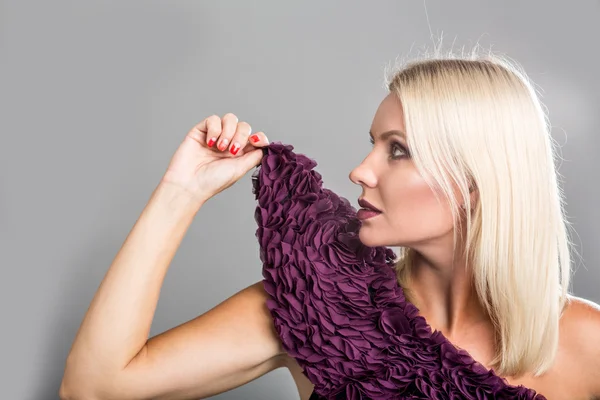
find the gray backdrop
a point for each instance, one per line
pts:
(97, 95)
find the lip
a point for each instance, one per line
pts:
(365, 204)
(364, 214)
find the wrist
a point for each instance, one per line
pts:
(178, 198)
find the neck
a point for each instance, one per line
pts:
(441, 288)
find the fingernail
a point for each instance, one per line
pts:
(211, 142)
(254, 138)
(235, 148)
(223, 144)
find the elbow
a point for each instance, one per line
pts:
(85, 379)
(66, 392)
(69, 391)
(77, 384)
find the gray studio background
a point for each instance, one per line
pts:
(97, 95)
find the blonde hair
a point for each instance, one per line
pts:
(477, 121)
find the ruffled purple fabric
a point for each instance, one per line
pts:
(336, 303)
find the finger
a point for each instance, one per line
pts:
(198, 132)
(230, 122)
(240, 138)
(258, 139)
(249, 160)
(212, 129)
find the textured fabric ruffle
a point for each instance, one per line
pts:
(336, 303)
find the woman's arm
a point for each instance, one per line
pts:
(112, 358)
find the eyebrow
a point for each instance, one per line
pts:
(386, 135)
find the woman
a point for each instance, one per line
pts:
(462, 176)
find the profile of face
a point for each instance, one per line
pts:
(411, 216)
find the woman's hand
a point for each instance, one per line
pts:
(236, 342)
(214, 155)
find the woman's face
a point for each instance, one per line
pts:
(410, 214)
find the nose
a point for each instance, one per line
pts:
(363, 176)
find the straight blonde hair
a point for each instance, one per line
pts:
(476, 121)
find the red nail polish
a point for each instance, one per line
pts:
(234, 149)
(254, 138)
(211, 142)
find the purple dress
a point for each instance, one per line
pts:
(336, 303)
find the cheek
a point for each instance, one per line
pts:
(414, 210)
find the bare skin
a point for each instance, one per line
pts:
(412, 217)
(235, 342)
(573, 377)
(232, 344)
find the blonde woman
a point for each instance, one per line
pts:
(461, 177)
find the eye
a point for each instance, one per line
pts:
(395, 146)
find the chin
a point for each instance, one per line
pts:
(372, 237)
(369, 237)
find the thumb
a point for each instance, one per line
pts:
(249, 160)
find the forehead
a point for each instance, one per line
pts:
(389, 116)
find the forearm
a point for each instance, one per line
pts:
(117, 323)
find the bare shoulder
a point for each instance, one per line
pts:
(580, 331)
(583, 316)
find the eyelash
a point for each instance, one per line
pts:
(393, 146)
